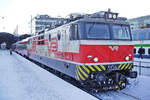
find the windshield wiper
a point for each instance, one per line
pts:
(91, 27)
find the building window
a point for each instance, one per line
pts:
(142, 36)
(134, 36)
(149, 35)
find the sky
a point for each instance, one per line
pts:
(18, 12)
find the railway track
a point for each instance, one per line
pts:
(129, 95)
(115, 95)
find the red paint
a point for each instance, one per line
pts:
(105, 53)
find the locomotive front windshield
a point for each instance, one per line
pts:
(120, 32)
(97, 31)
(107, 31)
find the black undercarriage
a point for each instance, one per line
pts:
(115, 80)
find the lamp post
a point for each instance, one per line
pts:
(2, 17)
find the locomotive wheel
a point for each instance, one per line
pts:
(94, 90)
(122, 85)
(122, 82)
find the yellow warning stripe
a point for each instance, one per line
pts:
(80, 75)
(103, 67)
(119, 66)
(127, 66)
(86, 68)
(77, 76)
(123, 66)
(97, 68)
(83, 72)
(130, 66)
(91, 68)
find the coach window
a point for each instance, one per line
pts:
(42, 39)
(142, 36)
(149, 51)
(58, 36)
(134, 50)
(30, 41)
(144, 51)
(49, 37)
(39, 40)
(74, 32)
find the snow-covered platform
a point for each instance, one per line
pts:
(21, 79)
(139, 88)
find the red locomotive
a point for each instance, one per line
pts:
(94, 49)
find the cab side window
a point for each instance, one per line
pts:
(74, 32)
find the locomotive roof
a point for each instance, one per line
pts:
(102, 20)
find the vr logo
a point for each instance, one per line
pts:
(113, 48)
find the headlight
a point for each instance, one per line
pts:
(110, 16)
(95, 59)
(114, 16)
(127, 58)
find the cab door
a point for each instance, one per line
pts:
(70, 41)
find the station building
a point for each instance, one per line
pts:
(140, 27)
(42, 22)
(140, 22)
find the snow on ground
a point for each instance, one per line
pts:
(21, 79)
(139, 87)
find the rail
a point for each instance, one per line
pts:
(129, 95)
